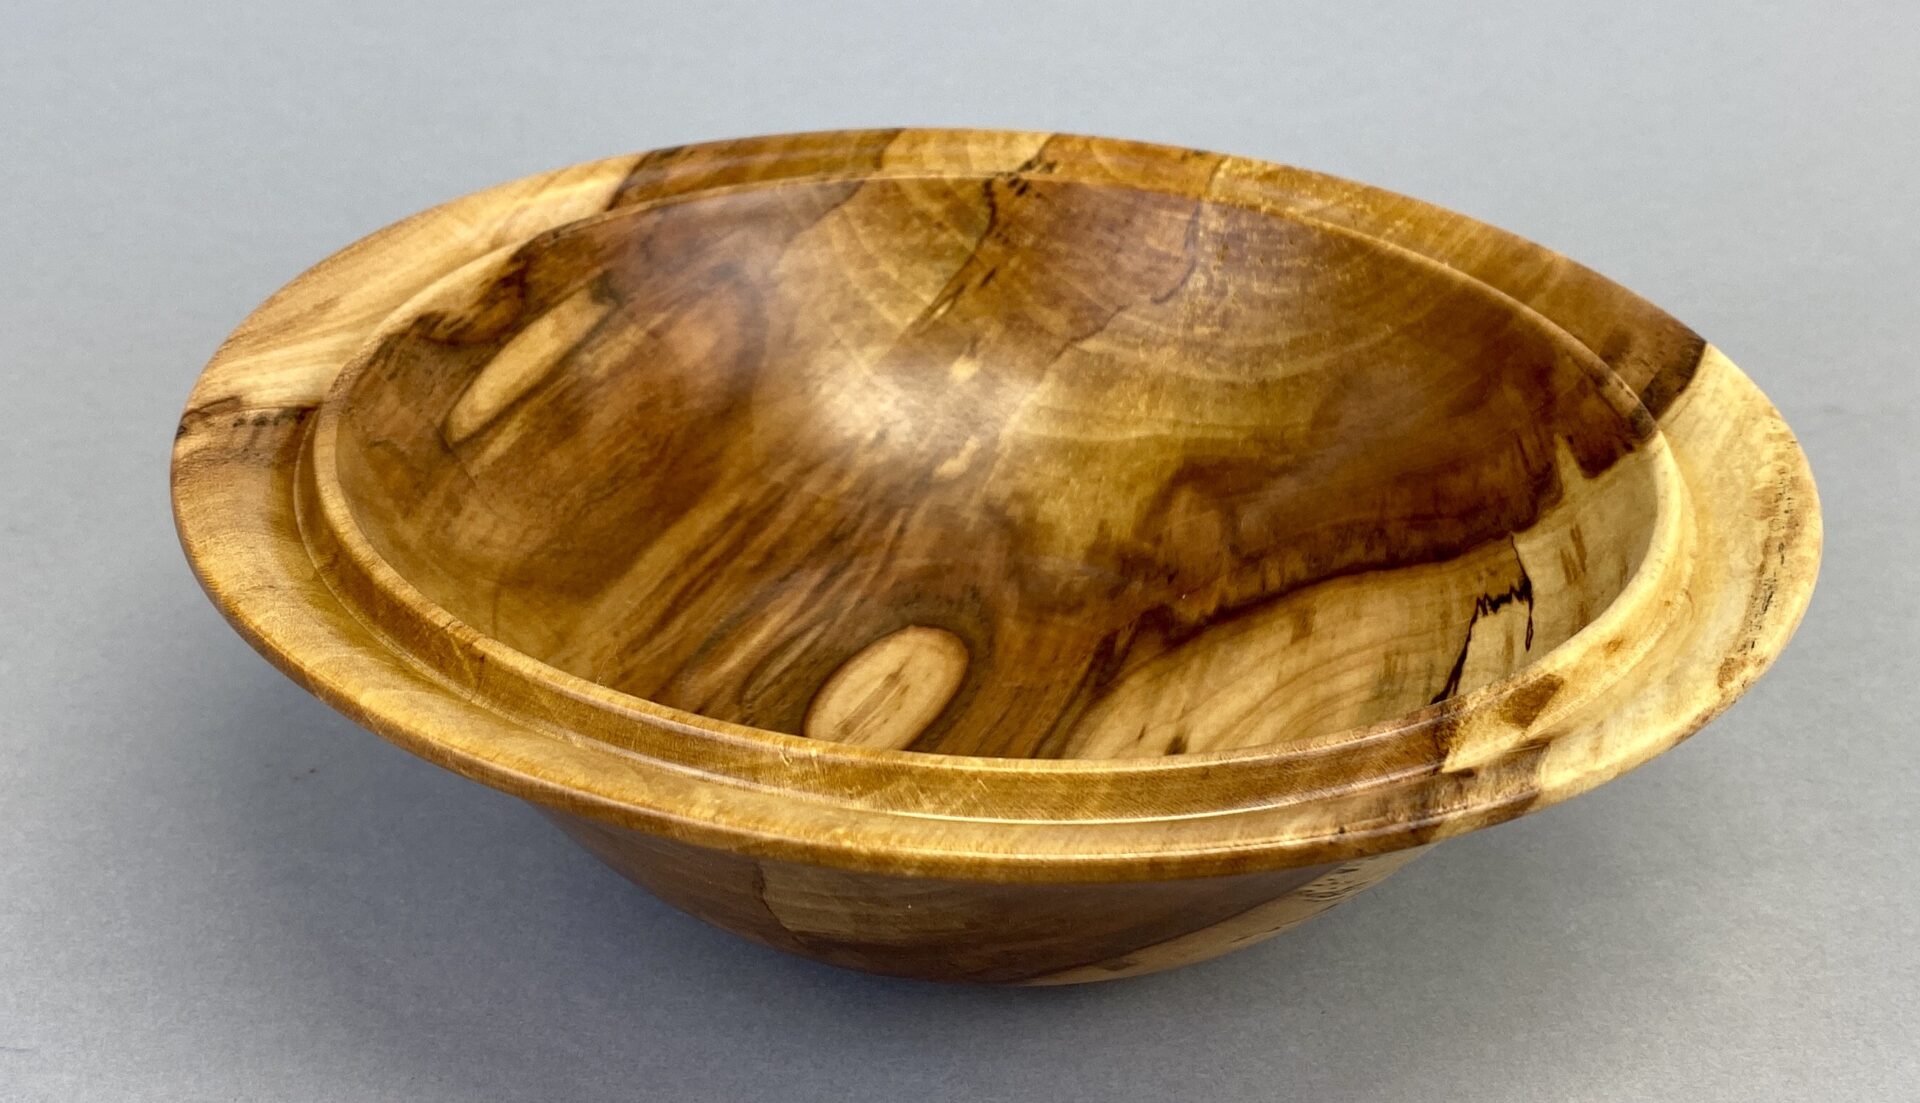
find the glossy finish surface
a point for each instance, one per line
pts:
(1225, 532)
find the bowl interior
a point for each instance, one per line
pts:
(1002, 466)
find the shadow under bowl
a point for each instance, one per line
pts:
(992, 556)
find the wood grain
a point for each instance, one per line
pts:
(993, 556)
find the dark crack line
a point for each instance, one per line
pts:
(1487, 605)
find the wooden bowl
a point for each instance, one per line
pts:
(993, 556)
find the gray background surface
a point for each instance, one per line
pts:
(212, 887)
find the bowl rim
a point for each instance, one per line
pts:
(243, 482)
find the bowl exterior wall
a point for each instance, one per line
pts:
(984, 932)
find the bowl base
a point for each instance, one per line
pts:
(994, 933)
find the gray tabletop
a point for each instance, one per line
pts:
(212, 887)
